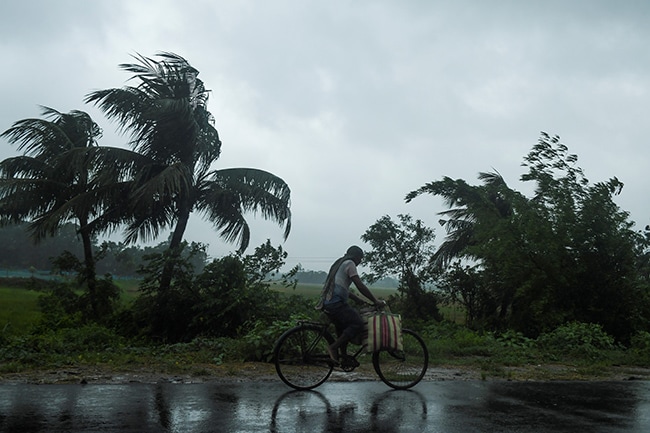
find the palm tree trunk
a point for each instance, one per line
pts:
(89, 271)
(174, 250)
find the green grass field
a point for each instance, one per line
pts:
(18, 310)
(19, 306)
(129, 288)
(313, 290)
(454, 313)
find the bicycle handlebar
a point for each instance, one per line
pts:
(369, 307)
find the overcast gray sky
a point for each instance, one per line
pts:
(356, 103)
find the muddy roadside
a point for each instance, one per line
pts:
(252, 371)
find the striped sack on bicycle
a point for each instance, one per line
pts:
(384, 332)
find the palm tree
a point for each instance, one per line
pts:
(174, 144)
(478, 223)
(45, 187)
(469, 206)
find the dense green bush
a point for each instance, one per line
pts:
(86, 338)
(640, 342)
(450, 339)
(639, 350)
(577, 339)
(64, 304)
(258, 343)
(203, 350)
(226, 299)
(166, 315)
(60, 307)
(63, 346)
(514, 339)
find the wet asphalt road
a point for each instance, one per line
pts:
(449, 407)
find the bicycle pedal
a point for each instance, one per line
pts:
(349, 363)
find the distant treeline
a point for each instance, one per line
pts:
(20, 253)
(318, 277)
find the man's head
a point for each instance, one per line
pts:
(355, 253)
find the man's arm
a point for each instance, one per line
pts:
(365, 291)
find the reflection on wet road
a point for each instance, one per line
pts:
(340, 407)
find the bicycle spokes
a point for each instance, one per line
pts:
(301, 358)
(402, 369)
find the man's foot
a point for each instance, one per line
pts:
(333, 353)
(349, 363)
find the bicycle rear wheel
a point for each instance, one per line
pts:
(403, 369)
(301, 358)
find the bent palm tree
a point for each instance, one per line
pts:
(174, 143)
(469, 207)
(44, 187)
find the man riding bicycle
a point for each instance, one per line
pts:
(334, 300)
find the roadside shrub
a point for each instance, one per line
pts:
(640, 348)
(15, 353)
(227, 303)
(59, 346)
(258, 343)
(200, 350)
(65, 304)
(577, 339)
(293, 305)
(447, 338)
(514, 348)
(167, 315)
(107, 300)
(90, 338)
(514, 339)
(416, 304)
(640, 342)
(60, 307)
(87, 338)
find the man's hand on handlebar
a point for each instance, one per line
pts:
(378, 304)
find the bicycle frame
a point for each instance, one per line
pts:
(324, 329)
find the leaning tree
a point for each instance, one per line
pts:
(50, 185)
(174, 144)
(568, 253)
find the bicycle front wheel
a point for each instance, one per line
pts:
(301, 357)
(405, 368)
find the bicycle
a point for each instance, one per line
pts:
(302, 361)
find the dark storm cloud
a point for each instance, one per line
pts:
(357, 103)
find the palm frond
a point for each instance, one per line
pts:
(259, 191)
(37, 137)
(162, 183)
(22, 167)
(493, 178)
(230, 193)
